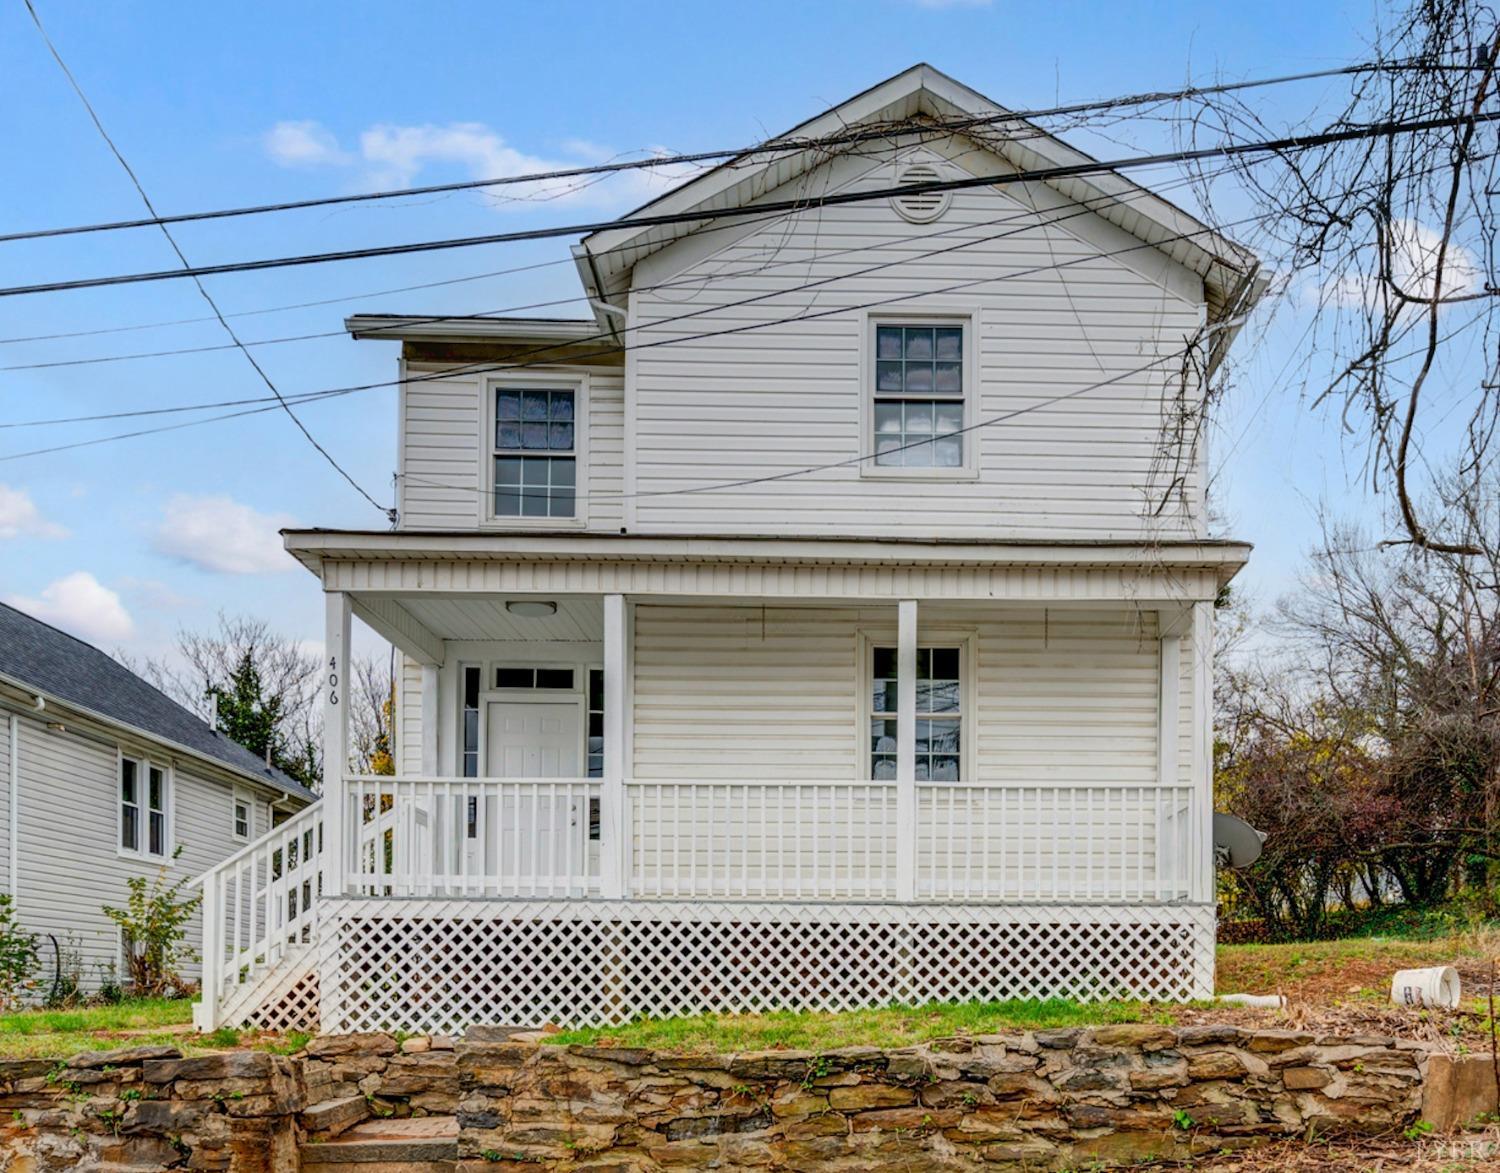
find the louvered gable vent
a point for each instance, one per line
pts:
(923, 206)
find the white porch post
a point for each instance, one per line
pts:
(1203, 733)
(906, 750)
(429, 754)
(1175, 865)
(613, 821)
(335, 739)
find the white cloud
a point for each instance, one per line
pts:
(20, 518)
(303, 144)
(1414, 254)
(219, 534)
(81, 604)
(394, 155)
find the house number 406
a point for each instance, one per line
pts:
(333, 680)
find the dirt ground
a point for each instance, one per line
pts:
(1462, 1153)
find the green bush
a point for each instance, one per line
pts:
(153, 923)
(18, 957)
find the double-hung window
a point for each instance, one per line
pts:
(536, 452)
(241, 817)
(918, 406)
(939, 713)
(143, 808)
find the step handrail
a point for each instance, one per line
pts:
(266, 886)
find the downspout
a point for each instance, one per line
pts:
(599, 302)
(15, 808)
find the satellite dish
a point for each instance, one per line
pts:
(1236, 843)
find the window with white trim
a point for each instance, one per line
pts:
(240, 818)
(939, 713)
(536, 452)
(917, 413)
(143, 808)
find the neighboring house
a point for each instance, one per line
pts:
(820, 623)
(103, 777)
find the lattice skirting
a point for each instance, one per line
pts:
(439, 966)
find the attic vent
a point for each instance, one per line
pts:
(924, 206)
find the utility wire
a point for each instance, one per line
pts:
(484, 368)
(935, 127)
(202, 289)
(1066, 171)
(1032, 219)
(501, 311)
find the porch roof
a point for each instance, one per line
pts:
(316, 547)
(384, 573)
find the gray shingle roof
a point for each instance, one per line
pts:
(59, 665)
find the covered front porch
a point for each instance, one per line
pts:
(704, 748)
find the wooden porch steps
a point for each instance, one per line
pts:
(426, 1144)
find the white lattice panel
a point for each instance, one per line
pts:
(440, 966)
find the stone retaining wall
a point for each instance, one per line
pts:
(1042, 1100)
(148, 1108)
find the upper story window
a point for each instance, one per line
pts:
(919, 395)
(143, 808)
(536, 453)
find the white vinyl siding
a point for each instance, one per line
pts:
(776, 693)
(69, 862)
(448, 431)
(760, 402)
(5, 812)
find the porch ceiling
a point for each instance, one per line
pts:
(578, 620)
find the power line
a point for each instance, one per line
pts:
(935, 128)
(1066, 171)
(513, 309)
(485, 368)
(1030, 216)
(202, 289)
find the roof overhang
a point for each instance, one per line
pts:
(403, 554)
(418, 328)
(56, 708)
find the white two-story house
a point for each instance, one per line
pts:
(822, 621)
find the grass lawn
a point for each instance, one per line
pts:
(135, 1023)
(1350, 973)
(894, 1026)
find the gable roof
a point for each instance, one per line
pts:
(605, 258)
(40, 658)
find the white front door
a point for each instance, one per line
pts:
(532, 831)
(532, 739)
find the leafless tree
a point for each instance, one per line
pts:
(1389, 242)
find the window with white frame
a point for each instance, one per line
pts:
(240, 817)
(917, 412)
(536, 454)
(939, 713)
(143, 808)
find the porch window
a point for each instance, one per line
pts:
(470, 730)
(535, 453)
(919, 389)
(939, 714)
(595, 742)
(143, 808)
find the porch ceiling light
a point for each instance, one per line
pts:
(531, 608)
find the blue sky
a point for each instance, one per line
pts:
(219, 105)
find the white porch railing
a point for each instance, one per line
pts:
(809, 840)
(260, 906)
(1058, 843)
(762, 840)
(455, 837)
(974, 843)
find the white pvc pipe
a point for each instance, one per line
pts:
(1255, 1001)
(1435, 987)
